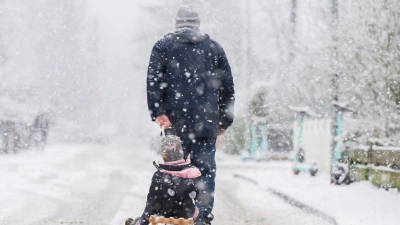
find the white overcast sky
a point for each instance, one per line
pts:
(117, 20)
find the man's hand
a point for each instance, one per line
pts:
(220, 131)
(163, 121)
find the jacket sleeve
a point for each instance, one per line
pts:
(226, 90)
(153, 203)
(155, 80)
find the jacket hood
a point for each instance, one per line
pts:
(188, 35)
(181, 168)
(186, 173)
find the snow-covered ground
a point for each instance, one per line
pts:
(70, 184)
(358, 203)
(105, 184)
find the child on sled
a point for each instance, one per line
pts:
(174, 188)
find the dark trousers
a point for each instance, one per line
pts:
(202, 155)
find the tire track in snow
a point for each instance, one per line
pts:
(292, 201)
(303, 206)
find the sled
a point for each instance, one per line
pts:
(180, 221)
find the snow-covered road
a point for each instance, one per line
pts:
(105, 184)
(72, 184)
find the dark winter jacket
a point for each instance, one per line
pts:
(173, 190)
(190, 81)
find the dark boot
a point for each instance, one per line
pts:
(208, 219)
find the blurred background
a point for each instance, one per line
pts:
(81, 67)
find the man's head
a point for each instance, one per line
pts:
(171, 148)
(187, 17)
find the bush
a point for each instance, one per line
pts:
(235, 137)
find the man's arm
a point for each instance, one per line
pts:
(226, 91)
(155, 80)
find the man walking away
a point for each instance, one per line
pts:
(190, 93)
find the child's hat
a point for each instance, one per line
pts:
(171, 148)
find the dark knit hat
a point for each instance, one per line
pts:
(171, 148)
(187, 17)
